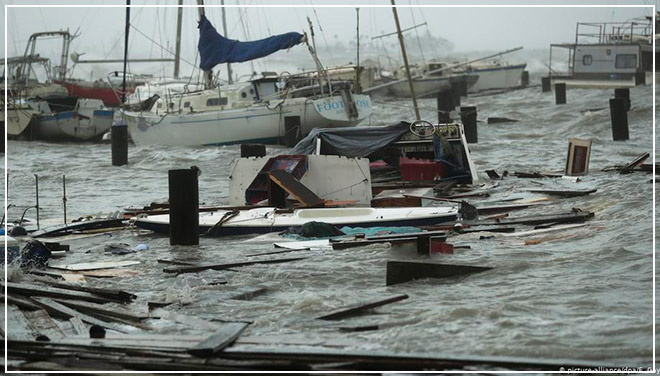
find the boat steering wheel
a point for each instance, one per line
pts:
(423, 128)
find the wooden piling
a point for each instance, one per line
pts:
(545, 84)
(119, 136)
(469, 120)
(445, 106)
(524, 78)
(184, 207)
(560, 93)
(625, 94)
(458, 90)
(291, 131)
(253, 150)
(423, 245)
(619, 116)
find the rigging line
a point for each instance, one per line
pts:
(159, 45)
(325, 41)
(421, 51)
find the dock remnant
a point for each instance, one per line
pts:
(625, 94)
(253, 150)
(291, 185)
(359, 308)
(446, 105)
(560, 93)
(619, 117)
(637, 162)
(219, 340)
(119, 146)
(545, 84)
(469, 120)
(403, 271)
(577, 162)
(184, 206)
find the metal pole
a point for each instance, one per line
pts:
(123, 83)
(64, 195)
(405, 61)
(224, 28)
(177, 50)
(36, 191)
(358, 86)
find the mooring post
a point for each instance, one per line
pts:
(64, 195)
(524, 78)
(119, 136)
(456, 92)
(545, 84)
(36, 193)
(445, 106)
(560, 93)
(184, 206)
(423, 245)
(253, 150)
(619, 116)
(625, 94)
(469, 120)
(291, 131)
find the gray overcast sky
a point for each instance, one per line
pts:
(468, 29)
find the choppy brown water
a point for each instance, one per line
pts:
(586, 297)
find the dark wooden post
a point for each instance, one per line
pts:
(545, 84)
(119, 136)
(423, 245)
(469, 120)
(619, 116)
(253, 150)
(524, 78)
(625, 94)
(560, 93)
(445, 106)
(184, 207)
(276, 195)
(291, 131)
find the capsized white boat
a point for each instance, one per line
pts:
(270, 219)
(87, 121)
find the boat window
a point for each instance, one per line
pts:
(587, 59)
(216, 101)
(243, 94)
(626, 61)
(186, 104)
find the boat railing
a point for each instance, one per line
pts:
(613, 32)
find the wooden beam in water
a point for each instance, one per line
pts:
(34, 290)
(403, 271)
(224, 266)
(41, 323)
(62, 311)
(223, 337)
(296, 189)
(359, 308)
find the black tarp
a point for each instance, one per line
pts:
(351, 141)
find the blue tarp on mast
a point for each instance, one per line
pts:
(215, 49)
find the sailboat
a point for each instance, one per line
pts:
(269, 109)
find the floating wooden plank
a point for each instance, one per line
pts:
(565, 193)
(359, 308)
(22, 302)
(559, 218)
(635, 163)
(223, 337)
(60, 230)
(62, 311)
(491, 210)
(34, 290)
(500, 229)
(19, 329)
(497, 120)
(41, 323)
(94, 265)
(298, 245)
(74, 278)
(104, 292)
(173, 261)
(94, 309)
(111, 273)
(224, 266)
(403, 271)
(296, 189)
(521, 174)
(492, 174)
(78, 326)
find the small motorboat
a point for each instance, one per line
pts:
(270, 219)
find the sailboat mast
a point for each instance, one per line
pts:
(128, 23)
(208, 75)
(224, 28)
(405, 61)
(177, 51)
(358, 87)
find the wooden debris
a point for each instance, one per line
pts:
(41, 323)
(94, 309)
(194, 322)
(173, 261)
(341, 244)
(565, 193)
(375, 326)
(223, 337)
(577, 161)
(444, 186)
(496, 120)
(34, 290)
(19, 329)
(249, 293)
(62, 311)
(637, 162)
(20, 301)
(403, 271)
(224, 266)
(492, 174)
(78, 326)
(521, 174)
(114, 294)
(60, 230)
(93, 265)
(503, 208)
(575, 216)
(111, 273)
(296, 189)
(359, 308)
(74, 278)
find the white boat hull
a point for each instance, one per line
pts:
(258, 123)
(505, 77)
(428, 87)
(73, 126)
(268, 219)
(18, 120)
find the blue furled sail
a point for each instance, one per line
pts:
(215, 49)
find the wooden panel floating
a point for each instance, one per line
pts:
(359, 308)
(41, 323)
(93, 265)
(296, 189)
(62, 311)
(559, 218)
(565, 193)
(224, 266)
(219, 340)
(34, 290)
(403, 271)
(105, 292)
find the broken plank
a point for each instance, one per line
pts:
(94, 265)
(35, 290)
(111, 273)
(78, 326)
(173, 261)
(559, 218)
(22, 302)
(19, 329)
(296, 189)
(223, 337)
(65, 312)
(403, 271)
(86, 307)
(565, 193)
(194, 322)
(105, 292)
(490, 210)
(635, 163)
(224, 266)
(41, 323)
(355, 309)
(74, 278)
